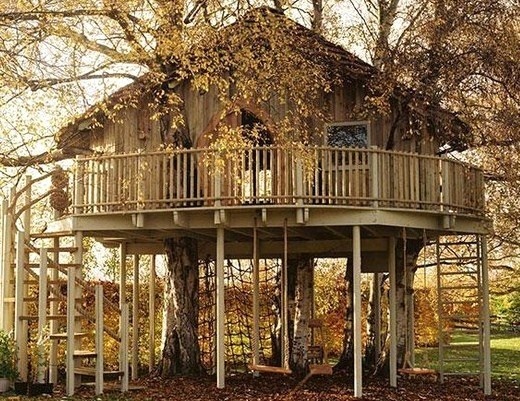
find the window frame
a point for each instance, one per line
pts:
(366, 123)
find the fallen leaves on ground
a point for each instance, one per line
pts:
(339, 387)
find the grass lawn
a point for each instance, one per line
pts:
(505, 355)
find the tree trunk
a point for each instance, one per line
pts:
(346, 359)
(303, 300)
(404, 293)
(180, 346)
(371, 356)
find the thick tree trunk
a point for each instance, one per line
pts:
(371, 356)
(404, 295)
(346, 359)
(303, 299)
(180, 347)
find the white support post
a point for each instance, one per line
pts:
(485, 315)
(122, 301)
(376, 283)
(42, 316)
(284, 304)
(54, 324)
(78, 294)
(135, 319)
(8, 258)
(256, 300)
(221, 313)
(71, 327)
(99, 340)
(124, 347)
(151, 314)
(3, 263)
(20, 326)
(393, 311)
(356, 287)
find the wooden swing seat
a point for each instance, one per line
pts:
(320, 369)
(418, 372)
(269, 369)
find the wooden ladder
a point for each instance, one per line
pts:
(460, 306)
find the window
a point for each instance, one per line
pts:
(355, 134)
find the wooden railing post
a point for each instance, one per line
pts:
(445, 184)
(79, 186)
(374, 174)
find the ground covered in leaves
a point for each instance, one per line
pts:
(335, 388)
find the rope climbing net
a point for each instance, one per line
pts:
(238, 278)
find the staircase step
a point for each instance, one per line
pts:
(49, 317)
(56, 234)
(64, 249)
(63, 336)
(85, 354)
(91, 372)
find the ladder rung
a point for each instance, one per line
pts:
(461, 374)
(460, 287)
(467, 301)
(461, 360)
(460, 273)
(458, 243)
(458, 259)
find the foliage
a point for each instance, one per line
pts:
(8, 352)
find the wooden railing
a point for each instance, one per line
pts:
(276, 176)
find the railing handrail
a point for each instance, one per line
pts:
(168, 151)
(369, 177)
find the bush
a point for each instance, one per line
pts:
(8, 349)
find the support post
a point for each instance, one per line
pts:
(99, 340)
(77, 294)
(54, 324)
(356, 286)
(135, 319)
(393, 311)
(376, 283)
(124, 347)
(485, 316)
(122, 302)
(8, 258)
(284, 301)
(256, 299)
(20, 326)
(42, 316)
(151, 314)
(71, 326)
(4, 264)
(221, 313)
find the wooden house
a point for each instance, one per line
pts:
(359, 181)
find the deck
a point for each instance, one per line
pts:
(319, 191)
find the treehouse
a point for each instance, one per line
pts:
(358, 184)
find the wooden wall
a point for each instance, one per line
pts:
(132, 129)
